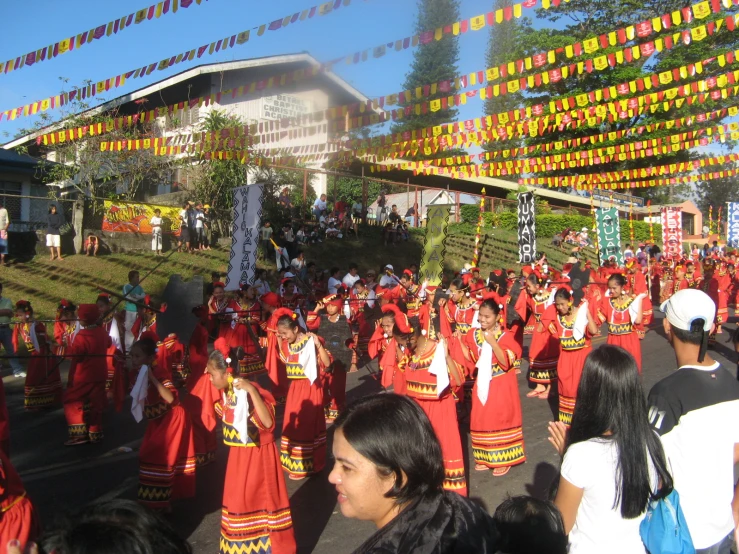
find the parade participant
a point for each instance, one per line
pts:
(334, 330)
(246, 332)
(656, 273)
(43, 383)
(692, 275)
(20, 522)
(408, 293)
(167, 453)
(303, 444)
(428, 367)
(171, 354)
(84, 399)
(544, 349)
(361, 300)
(637, 285)
(711, 286)
(221, 310)
(65, 326)
(290, 296)
(202, 394)
(573, 326)
(256, 506)
(721, 298)
(733, 288)
(115, 383)
(622, 312)
(146, 321)
(677, 283)
(496, 423)
(392, 373)
(273, 362)
(133, 292)
(389, 471)
(459, 311)
(477, 283)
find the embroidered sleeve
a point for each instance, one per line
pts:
(254, 417)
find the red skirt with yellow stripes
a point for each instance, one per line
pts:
(443, 416)
(256, 507)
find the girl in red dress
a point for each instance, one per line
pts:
(146, 321)
(303, 443)
(65, 326)
(428, 366)
(221, 310)
(543, 350)
(115, 384)
(496, 423)
(381, 342)
(256, 508)
(43, 383)
(167, 454)
(623, 313)
(249, 318)
(573, 326)
(460, 311)
(19, 520)
(637, 285)
(274, 364)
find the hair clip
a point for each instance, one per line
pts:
(423, 332)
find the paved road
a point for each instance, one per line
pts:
(60, 479)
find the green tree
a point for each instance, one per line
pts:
(433, 63)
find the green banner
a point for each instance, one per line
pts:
(609, 235)
(432, 259)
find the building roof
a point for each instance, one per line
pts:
(11, 161)
(298, 59)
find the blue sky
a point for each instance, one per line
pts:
(364, 24)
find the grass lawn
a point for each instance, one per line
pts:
(44, 282)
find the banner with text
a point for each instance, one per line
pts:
(732, 225)
(247, 216)
(672, 232)
(432, 258)
(526, 228)
(128, 217)
(609, 235)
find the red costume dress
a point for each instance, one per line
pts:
(672, 286)
(496, 426)
(43, 383)
(249, 317)
(143, 324)
(203, 396)
(84, 399)
(543, 350)
(303, 442)
(222, 316)
(167, 453)
(64, 333)
(620, 314)
(637, 284)
(440, 407)
(573, 352)
(274, 363)
(382, 347)
(334, 333)
(172, 356)
(19, 520)
(410, 297)
(462, 316)
(256, 507)
(116, 375)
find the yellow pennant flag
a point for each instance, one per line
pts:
(698, 33)
(435, 105)
(600, 63)
(477, 22)
(590, 45)
(702, 10)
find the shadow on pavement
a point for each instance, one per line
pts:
(545, 481)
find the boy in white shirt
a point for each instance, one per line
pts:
(156, 232)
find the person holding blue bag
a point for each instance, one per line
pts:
(613, 464)
(695, 410)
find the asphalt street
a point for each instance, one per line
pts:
(61, 479)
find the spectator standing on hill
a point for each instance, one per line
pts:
(319, 206)
(261, 283)
(184, 237)
(381, 208)
(199, 226)
(54, 222)
(155, 222)
(208, 225)
(266, 235)
(4, 226)
(695, 411)
(357, 210)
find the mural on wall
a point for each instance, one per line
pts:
(129, 217)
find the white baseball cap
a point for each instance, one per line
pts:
(288, 275)
(687, 305)
(388, 266)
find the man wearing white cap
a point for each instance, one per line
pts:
(696, 412)
(388, 280)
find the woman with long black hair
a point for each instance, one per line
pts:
(613, 463)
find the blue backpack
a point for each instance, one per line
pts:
(664, 530)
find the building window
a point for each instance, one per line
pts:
(11, 203)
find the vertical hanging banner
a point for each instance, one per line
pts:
(608, 229)
(672, 232)
(732, 225)
(247, 216)
(526, 228)
(432, 258)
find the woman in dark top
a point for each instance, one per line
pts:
(388, 469)
(54, 222)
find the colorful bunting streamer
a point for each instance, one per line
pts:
(155, 11)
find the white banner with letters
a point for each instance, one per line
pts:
(247, 217)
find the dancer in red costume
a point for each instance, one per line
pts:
(146, 320)
(303, 444)
(115, 382)
(496, 423)
(84, 399)
(733, 284)
(428, 367)
(246, 332)
(722, 296)
(656, 274)
(19, 519)
(544, 349)
(392, 373)
(171, 354)
(167, 454)
(460, 312)
(408, 293)
(65, 326)
(711, 285)
(221, 310)
(677, 283)
(692, 275)
(255, 516)
(290, 296)
(274, 364)
(43, 383)
(202, 394)
(573, 326)
(361, 302)
(622, 312)
(637, 285)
